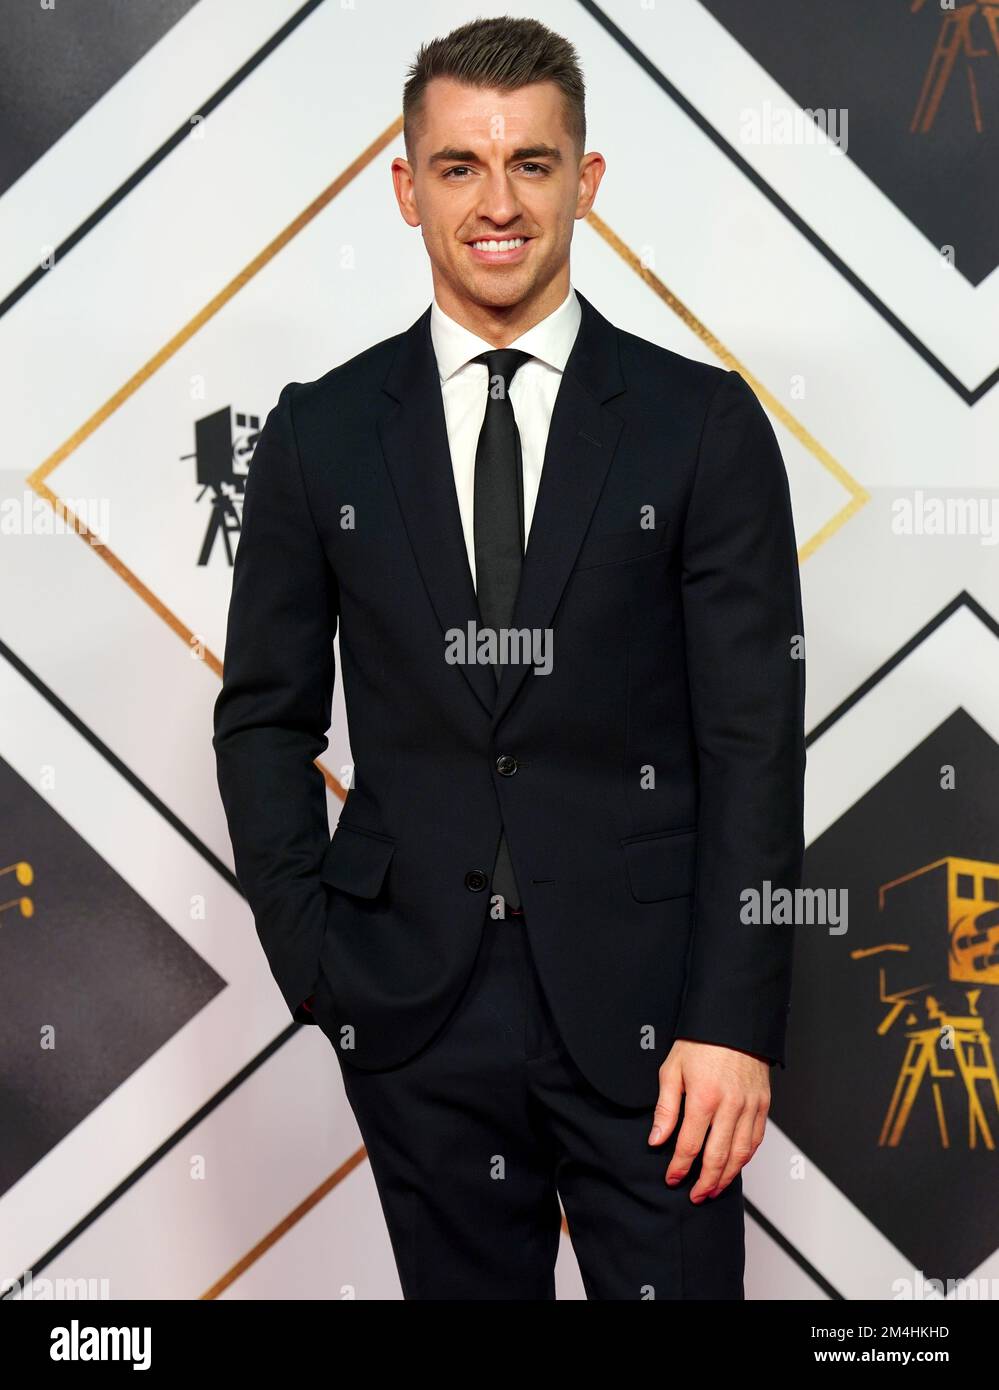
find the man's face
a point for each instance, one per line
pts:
(498, 167)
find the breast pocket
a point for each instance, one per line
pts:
(617, 547)
(357, 860)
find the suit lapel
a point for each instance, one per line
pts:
(415, 445)
(582, 438)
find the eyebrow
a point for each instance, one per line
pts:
(450, 155)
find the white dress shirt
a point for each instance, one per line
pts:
(465, 384)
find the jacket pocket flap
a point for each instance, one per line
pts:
(356, 861)
(661, 865)
(616, 546)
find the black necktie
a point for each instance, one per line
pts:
(498, 530)
(498, 524)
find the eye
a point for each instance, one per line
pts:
(461, 169)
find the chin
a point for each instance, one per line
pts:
(501, 290)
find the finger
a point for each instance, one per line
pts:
(760, 1123)
(667, 1107)
(716, 1150)
(688, 1142)
(741, 1151)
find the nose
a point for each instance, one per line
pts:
(498, 203)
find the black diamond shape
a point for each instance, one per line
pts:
(936, 1204)
(83, 953)
(872, 59)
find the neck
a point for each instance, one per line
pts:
(502, 324)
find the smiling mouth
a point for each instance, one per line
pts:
(498, 250)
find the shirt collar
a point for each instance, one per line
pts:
(550, 340)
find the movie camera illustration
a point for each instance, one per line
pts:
(223, 447)
(948, 1048)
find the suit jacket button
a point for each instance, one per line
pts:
(476, 880)
(506, 765)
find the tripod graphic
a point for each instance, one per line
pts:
(955, 37)
(972, 1052)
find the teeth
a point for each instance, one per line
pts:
(499, 245)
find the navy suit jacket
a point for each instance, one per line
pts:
(646, 782)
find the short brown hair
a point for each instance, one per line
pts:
(504, 53)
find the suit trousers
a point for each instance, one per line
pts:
(474, 1140)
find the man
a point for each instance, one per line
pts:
(563, 567)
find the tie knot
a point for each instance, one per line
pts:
(504, 363)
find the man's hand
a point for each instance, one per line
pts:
(724, 1088)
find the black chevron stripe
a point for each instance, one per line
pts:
(156, 158)
(970, 395)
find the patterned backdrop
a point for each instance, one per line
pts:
(196, 208)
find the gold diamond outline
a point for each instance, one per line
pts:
(37, 478)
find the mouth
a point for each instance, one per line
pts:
(499, 250)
